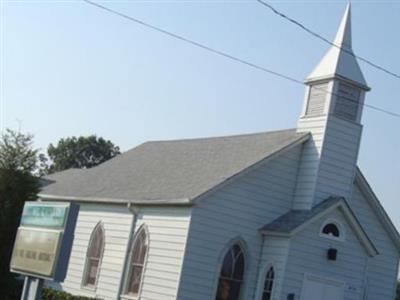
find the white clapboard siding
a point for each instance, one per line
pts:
(168, 229)
(307, 255)
(275, 253)
(237, 210)
(329, 159)
(382, 269)
(309, 165)
(117, 222)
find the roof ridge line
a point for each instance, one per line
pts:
(220, 137)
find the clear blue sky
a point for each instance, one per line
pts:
(72, 69)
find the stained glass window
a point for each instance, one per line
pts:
(231, 276)
(94, 255)
(138, 256)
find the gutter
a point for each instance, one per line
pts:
(183, 201)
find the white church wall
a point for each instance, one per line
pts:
(308, 255)
(168, 229)
(237, 210)
(117, 223)
(275, 253)
(382, 269)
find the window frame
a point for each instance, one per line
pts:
(223, 253)
(262, 289)
(125, 294)
(84, 283)
(340, 227)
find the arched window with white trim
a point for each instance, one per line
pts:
(231, 275)
(137, 261)
(332, 229)
(268, 284)
(94, 256)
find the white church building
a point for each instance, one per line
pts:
(282, 215)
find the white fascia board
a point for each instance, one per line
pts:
(183, 201)
(358, 229)
(377, 208)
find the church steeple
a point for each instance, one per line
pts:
(332, 113)
(340, 61)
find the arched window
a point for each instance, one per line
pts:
(136, 263)
(231, 276)
(268, 284)
(94, 256)
(331, 229)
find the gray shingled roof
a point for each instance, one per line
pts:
(294, 218)
(169, 170)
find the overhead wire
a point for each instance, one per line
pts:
(229, 56)
(318, 36)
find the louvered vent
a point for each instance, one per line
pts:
(317, 99)
(347, 102)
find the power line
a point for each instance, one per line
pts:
(229, 56)
(313, 33)
(194, 43)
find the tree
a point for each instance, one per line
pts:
(16, 152)
(18, 164)
(81, 152)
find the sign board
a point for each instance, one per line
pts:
(44, 239)
(35, 251)
(47, 215)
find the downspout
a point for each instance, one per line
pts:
(134, 210)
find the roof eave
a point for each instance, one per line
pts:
(183, 201)
(374, 201)
(325, 78)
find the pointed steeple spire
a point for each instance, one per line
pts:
(343, 35)
(339, 61)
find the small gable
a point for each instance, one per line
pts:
(295, 221)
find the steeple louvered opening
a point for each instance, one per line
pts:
(317, 99)
(347, 102)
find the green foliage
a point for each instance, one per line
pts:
(18, 162)
(81, 152)
(49, 294)
(16, 152)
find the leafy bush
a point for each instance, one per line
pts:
(50, 294)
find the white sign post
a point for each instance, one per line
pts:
(32, 288)
(43, 244)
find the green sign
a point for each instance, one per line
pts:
(49, 215)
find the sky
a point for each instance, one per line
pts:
(70, 69)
